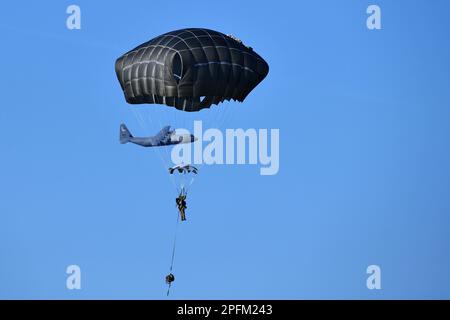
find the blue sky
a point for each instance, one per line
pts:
(364, 156)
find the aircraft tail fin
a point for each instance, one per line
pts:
(125, 134)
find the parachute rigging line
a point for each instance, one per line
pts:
(164, 161)
(173, 250)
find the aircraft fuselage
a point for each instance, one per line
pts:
(153, 142)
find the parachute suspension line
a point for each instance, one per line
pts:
(185, 182)
(167, 158)
(220, 111)
(167, 150)
(173, 250)
(217, 116)
(141, 122)
(191, 182)
(161, 153)
(220, 115)
(144, 127)
(224, 116)
(164, 152)
(174, 244)
(230, 115)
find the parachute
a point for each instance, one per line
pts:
(190, 69)
(183, 168)
(185, 176)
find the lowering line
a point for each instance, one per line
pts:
(170, 278)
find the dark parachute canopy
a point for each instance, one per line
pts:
(183, 168)
(190, 69)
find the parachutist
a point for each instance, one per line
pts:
(170, 278)
(181, 204)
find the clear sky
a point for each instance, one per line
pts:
(364, 156)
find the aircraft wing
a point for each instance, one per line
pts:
(164, 135)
